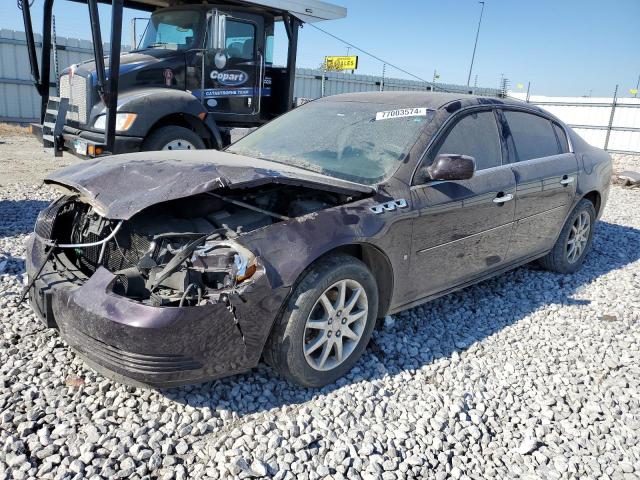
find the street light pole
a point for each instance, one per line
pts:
(475, 44)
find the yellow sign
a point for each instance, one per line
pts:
(341, 63)
(633, 91)
(520, 86)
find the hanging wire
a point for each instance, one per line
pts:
(433, 85)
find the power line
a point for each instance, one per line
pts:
(475, 45)
(433, 85)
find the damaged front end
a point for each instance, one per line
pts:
(174, 294)
(182, 252)
(157, 258)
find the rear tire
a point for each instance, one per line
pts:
(173, 138)
(574, 241)
(305, 330)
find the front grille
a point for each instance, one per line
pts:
(136, 362)
(46, 218)
(123, 251)
(74, 87)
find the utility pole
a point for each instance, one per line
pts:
(504, 85)
(635, 95)
(476, 43)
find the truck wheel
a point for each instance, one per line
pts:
(326, 324)
(173, 138)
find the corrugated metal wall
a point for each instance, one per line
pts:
(309, 84)
(19, 101)
(590, 118)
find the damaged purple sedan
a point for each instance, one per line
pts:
(174, 267)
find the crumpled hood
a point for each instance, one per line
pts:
(118, 187)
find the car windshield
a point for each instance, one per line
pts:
(360, 142)
(171, 29)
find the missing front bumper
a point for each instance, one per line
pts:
(154, 346)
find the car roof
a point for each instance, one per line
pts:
(432, 100)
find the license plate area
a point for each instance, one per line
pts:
(80, 147)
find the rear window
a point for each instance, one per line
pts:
(533, 135)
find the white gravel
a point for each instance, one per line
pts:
(530, 375)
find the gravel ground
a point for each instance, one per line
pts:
(530, 375)
(622, 162)
(23, 159)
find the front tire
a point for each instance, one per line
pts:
(326, 324)
(574, 241)
(173, 138)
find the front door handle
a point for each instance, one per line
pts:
(503, 198)
(566, 180)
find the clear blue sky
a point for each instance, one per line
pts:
(568, 47)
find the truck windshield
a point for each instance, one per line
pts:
(176, 29)
(359, 142)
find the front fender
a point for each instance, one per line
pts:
(153, 104)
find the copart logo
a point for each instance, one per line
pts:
(230, 78)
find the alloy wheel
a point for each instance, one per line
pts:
(335, 325)
(578, 237)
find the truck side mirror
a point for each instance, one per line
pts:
(217, 39)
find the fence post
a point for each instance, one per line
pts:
(613, 112)
(324, 75)
(384, 67)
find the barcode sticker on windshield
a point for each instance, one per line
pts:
(402, 112)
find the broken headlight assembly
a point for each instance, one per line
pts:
(195, 272)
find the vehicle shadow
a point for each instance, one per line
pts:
(17, 217)
(423, 334)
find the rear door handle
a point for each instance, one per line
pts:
(503, 198)
(567, 180)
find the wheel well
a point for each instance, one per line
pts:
(187, 121)
(594, 197)
(380, 267)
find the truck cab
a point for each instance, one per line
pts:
(199, 71)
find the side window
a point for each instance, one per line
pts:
(533, 135)
(241, 37)
(268, 50)
(475, 135)
(562, 138)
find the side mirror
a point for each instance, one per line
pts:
(217, 39)
(448, 166)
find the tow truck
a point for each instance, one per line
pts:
(200, 71)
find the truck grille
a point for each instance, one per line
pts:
(75, 89)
